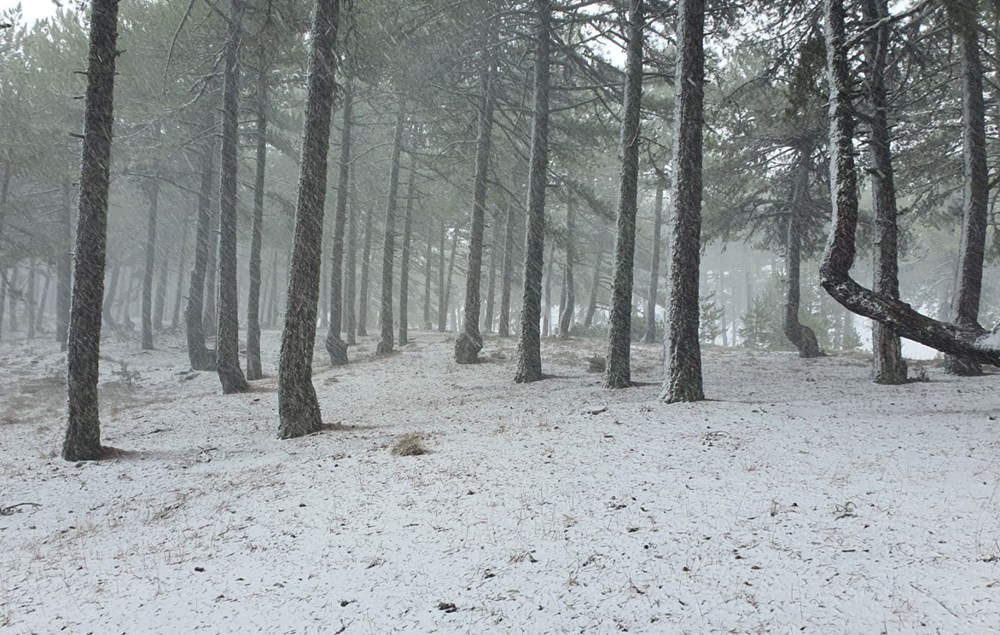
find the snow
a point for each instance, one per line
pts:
(802, 498)
(990, 341)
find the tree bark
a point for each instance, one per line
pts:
(448, 285)
(298, 407)
(888, 365)
(365, 268)
(227, 358)
(43, 301)
(649, 334)
(64, 284)
(109, 300)
(149, 270)
(618, 372)
(199, 355)
(442, 292)
(975, 207)
(160, 295)
(83, 432)
(507, 270)
(428, 260)
(385, 342)
(469, 342)
(404, 261)
(3, 297)
(547, 315)
(335, 346)
(682, 377)
(595, 288)
(254, 368)
(491, 279)
(569, 292)
(179, 292)
(797, 333)
(352, 263)
(29, 298)
(956, 339)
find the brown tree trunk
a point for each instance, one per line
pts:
(298, 407)
(682, 377)
(227, 355)
(469, 342)
(335, 346)
(386, 336)
(83, 432)
(618, 372)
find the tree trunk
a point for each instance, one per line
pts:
(29, 298)
(335, 346)
(469, 342)
(3, 297)
(365, 268)
(227, 357)
(160, 296)
(491, 278)
(43, 301)
(595, 288)
(83, 432)
(569, 292)
(683, 380)
(619, 374)
(649, 334)
(254, 368)
(975, 207)
(428, 259)
(298, 407)
(179, 293)
(350, 301)
(149, 270)
(109, 301)
(547, 316)
(956, 339)
(447, 284)
(199, 355)
(888, 365)
(442, 292)
(385, 342)
(797, 333)
(507, 270)
(404, 261)
(529, 354)
(65, 267)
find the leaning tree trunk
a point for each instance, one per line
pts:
(350, 301)
(507, 270)
(682, 377)
(298, 407)
(65, 268)
(469, 342)
(227, 357)
(649, 334)
(254, 367)
(83, 432)
(956, 339)
(404, 259)
(529, 353)
(618, 372)
(385, 342)
(569, 292)
(335, 346)
(797, 333)
(149, 270)
(366, 256)
(888, 365)
(975, 207)
(199, 355)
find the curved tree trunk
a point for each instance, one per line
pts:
(888, 365)
(65, 268)
(618, 372)
(199, 355)
(148, 271)
(956, 339)
(298, 408)
(227, 358)
(649, 334)
(254, 368)
(385, 342)
(568, 307)
(404, 261)
(682, 379)
(797, 333)
(469, 342)
(975, 207)
(335, 346)
(83, 432)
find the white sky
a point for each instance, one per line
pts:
(35, 9)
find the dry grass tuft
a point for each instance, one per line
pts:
(411, 444)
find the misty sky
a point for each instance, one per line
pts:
(34, 9)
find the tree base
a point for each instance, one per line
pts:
(233, 381)
(337, 348)
(383, 348)
(467, 348)
(962, 367)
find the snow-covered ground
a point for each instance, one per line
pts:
(802, 498)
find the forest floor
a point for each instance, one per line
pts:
(802, 498)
